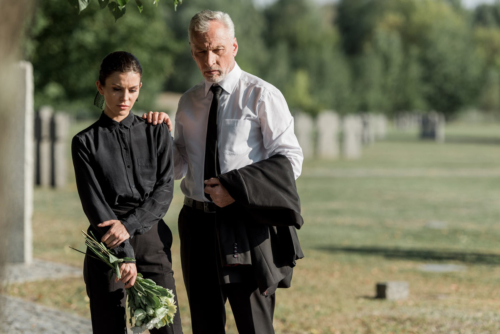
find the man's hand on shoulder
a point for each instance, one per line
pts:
(156, 117)
(218, 193)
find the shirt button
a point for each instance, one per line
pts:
(128, 166)
(133, 186)
(235, 256)
(125, 148)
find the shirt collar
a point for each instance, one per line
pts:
(107, 122)
(229, 81)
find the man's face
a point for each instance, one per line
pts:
(214, 52)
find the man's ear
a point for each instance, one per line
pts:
(235, 47)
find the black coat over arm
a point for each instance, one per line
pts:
(259, 229)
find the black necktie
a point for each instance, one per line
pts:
(211, 164)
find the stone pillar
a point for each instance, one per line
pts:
(59, 136)
(380, 126)
(328, 135)
(352, 131)
(433, 127)
(43, 146)
(304, 131)
(20, 171)
(368, 132)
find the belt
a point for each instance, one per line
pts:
(207, 207)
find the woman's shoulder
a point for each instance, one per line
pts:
(85, 134)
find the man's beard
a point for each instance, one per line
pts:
(216, 79)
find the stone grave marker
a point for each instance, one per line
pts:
(352, 128)
(328, 135)
(368, 134)
(304, 127)
(380, 126)
(20, 171)
(59, 136)
(442, 268)
(433, 127)
(393, 290)
(43, 149)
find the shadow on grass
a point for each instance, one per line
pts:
(419, 254)
(457, 139)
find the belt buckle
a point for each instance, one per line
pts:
(206, 207)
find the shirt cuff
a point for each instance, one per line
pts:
(131, 224)
(125, 249)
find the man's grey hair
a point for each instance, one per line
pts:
(201, 22)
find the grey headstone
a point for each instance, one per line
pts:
(433, 127)
(436, 225)
(380, 126)
(304, 131)
(59, 134)
(393, 290)
(328, 135)
(368, 135)
(352, 128)
(442, 268)
(43, 146)
(20, 171)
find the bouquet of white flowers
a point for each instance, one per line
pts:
(148, 305)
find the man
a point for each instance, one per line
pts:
(237, 152)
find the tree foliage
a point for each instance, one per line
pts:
(355, 55)
(66, 52)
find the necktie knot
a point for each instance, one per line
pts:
(217, 90)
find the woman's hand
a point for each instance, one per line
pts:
(116, 234)
(128, 271)
(158, 118)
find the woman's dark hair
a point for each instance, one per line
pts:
(119, 61)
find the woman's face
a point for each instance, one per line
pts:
(120, 92)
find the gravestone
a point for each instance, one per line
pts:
(380, 126)
(368, 135)
(433, 127)
(442, 268)
(328, 135)
(20, 171)
(352, 128)
(59, 135)
(393, 290)
(304, 131)
(43, 146)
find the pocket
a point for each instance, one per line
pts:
(235, 134)
(147, 169)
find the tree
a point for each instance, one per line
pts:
(66, 52)
(302, 36)
(249, 27)
(117, 8)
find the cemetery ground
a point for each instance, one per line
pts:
(403, 205)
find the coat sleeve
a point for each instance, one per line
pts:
(94, 204)
(267, 188)
(150, 211)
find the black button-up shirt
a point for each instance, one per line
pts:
(124, 171)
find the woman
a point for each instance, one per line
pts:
(124, 175)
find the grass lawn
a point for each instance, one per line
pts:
(366, 221)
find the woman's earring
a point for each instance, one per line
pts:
(99, 100)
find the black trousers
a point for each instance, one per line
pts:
(108, 299)
(253, 312)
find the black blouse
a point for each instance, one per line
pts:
(124, 171)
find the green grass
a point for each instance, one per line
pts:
(358, 231)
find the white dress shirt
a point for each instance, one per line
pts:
(254, 123)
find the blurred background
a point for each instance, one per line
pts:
(397, 107)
